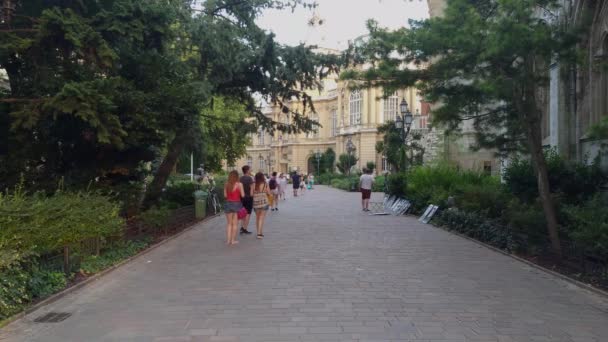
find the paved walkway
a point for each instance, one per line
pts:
(325, 272)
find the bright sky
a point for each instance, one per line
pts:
(343, 20)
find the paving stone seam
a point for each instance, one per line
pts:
(527, 262)
(99, 275)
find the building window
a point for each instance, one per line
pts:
(423, 122)
(391, 106)
(249, 161)
(487, 167)
(334, 123)
(261, 136)
(384, 164)
(262, 163)
(356, 103)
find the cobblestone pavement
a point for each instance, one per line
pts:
(325, 272)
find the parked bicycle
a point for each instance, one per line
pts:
(213, 202)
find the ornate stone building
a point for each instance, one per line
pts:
(577, 96)
(344, 114)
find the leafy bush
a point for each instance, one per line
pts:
(43, 283)
(588, 225)
(346, 162)
(378, 184)
(370, 165)
(14, 294)
(488, 199)
(528, 225)
(573, 180)
(156, 218)
(397, 184)
(111, 256)
(43, 224)
(476, 226)
(179, 194)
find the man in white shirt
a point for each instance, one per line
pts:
(365, 184)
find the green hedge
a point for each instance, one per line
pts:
(42, 224)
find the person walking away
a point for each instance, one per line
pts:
(365, 184)
(303, 184)
(261, 191)
(311, 180)
(233, 193)
(273, 185)
(282, 186)
(247, 199)
(295, 179)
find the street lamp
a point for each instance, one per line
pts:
(318, 157)
(350, 148)
(404, 121)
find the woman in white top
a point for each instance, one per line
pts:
(282, 186)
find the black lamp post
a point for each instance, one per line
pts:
(318, 158)
(404, 121)
(350, 148)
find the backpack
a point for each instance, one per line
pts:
(272, 184)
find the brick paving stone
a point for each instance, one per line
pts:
(325, 272)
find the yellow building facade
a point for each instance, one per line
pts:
(344, 114)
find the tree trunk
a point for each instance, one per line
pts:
(544, 191)
(155, 188)
(528, 111)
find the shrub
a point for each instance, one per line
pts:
(489, 199)
(112, 255)
(528, 225)
(43, 283)
(156, 218)
(14, 293)
(476, 226)
(397, 184)
(370, 165)
(573, 180)
(346, 162)
(588, 225)
(179, 194)
(39, 223)
(378, 184)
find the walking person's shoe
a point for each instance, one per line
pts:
(260, 236)
(244, 231)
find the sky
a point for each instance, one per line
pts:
(343, 20)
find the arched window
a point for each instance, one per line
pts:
(262, 163)
(391, 106)
(355, 104)
(334, 123)
(249, 161)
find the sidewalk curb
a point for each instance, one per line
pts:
(572, 281)
(99, 275)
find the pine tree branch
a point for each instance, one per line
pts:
(17, 100)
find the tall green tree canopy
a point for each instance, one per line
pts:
(99, 87)
(482, 61)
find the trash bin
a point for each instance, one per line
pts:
(200, 204)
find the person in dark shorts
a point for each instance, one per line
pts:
(365, 184)
(247, 200)
(295, 179)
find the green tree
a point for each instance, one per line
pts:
(398, 154)
(484, 61)
(346, 162)
(100, 88)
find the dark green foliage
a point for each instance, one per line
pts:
(112, 255)
(156, 218)
(588, 225)
(476, 227)
(370, 166)
(179, 194)
(398, 154)
(43, 283)
(44, 224)
(346, 162)
(378, 184)
(397, 185)
(14, 293)
(574, 181)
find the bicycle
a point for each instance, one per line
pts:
(213, 202)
